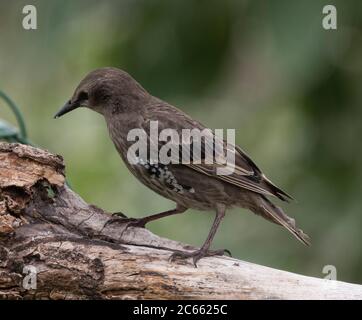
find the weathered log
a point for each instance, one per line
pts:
(45, 226)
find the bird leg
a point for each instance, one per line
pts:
(204, 250)
(141, 222)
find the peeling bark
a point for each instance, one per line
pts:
(46, 225)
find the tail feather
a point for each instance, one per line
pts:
(276, 191)
(275, 214)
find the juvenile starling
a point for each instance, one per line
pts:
(126, 105)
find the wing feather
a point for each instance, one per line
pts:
(246, 173)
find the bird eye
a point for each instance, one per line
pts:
(82, 96)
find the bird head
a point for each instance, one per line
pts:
(106, 91)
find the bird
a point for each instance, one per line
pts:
(126, 105)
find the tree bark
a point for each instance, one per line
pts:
(46, 226)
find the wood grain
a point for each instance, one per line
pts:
(45, 224)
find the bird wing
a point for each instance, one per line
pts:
(246, 173)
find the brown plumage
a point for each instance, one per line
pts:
(125, 105)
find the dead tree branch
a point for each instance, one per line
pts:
(46, 225)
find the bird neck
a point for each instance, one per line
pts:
(119, 125)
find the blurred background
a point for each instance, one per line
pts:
(292, 91)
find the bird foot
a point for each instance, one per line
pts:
(198, 254)
(119, 214)
(128, 222)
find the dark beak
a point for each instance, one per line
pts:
(69, 106)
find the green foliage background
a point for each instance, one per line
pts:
(291, 89)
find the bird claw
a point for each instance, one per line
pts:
(128, 222)
(119, 214)
(197, 255)
(139, 223)
(228, 252)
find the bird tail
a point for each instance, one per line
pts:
(282, 195)
(269, 211)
